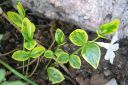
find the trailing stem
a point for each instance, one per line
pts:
(16, 72)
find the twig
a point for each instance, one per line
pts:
(51, 29)
(65, 69)
(27, 64)
(70, 79)
(8, 73)
(52, 34)
(52, 45)
(35, 67)
(23, 67)
(47, 64)
(1, 55)
(23, 61)
(27, 67)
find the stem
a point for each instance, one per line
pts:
(27, 64)
(23, 67)
(70, 79)
(27, 67)
(16, 72)
(51, 45)
(23, 61)
(47, 64)
(37, 64)
(8, 53)
(76, 52)
(95, 39)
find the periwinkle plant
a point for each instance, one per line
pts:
(90, 50)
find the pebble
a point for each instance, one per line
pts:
(107, 72)
(111, 82)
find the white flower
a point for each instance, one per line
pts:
(111, 47)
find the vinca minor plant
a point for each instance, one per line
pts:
(90, 50)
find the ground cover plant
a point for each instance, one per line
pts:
(32, 49)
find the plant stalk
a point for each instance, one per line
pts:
(27, 67)
(16, 72)
(76, 52)
(95, 39)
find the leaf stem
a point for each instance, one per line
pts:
(16, 72)
(23, 49)
(28, 64)
(1, 55)
(23, 67)
(76, 52)
(47, 64)
(37, 64)
(27, 67)
(95, 39)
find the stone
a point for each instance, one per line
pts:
(98, 79)
(111, 82)
(107, 73)
(88, 14)
(82, 81)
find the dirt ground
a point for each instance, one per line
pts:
(45, 29)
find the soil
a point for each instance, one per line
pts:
(45, 29)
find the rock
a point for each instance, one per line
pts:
(82, 81)
(98, 79)
(107, 73)
(111, 82)
(88, 14)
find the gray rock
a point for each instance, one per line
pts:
(88, 14)
(107, 72)
(111, 82)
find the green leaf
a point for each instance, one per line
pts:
(29, 45)
(78, 37)
(111, 27)
(63, 57)
(21, 9)
(21, 55)
(91, 53)
(37, 51)
(59, 36)
(48, 54)
(15, 18)
(100, 34)
(58, 51)
(13, 83)
(28, 29)
(75, 61)
(2, 75)
(55, 75)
